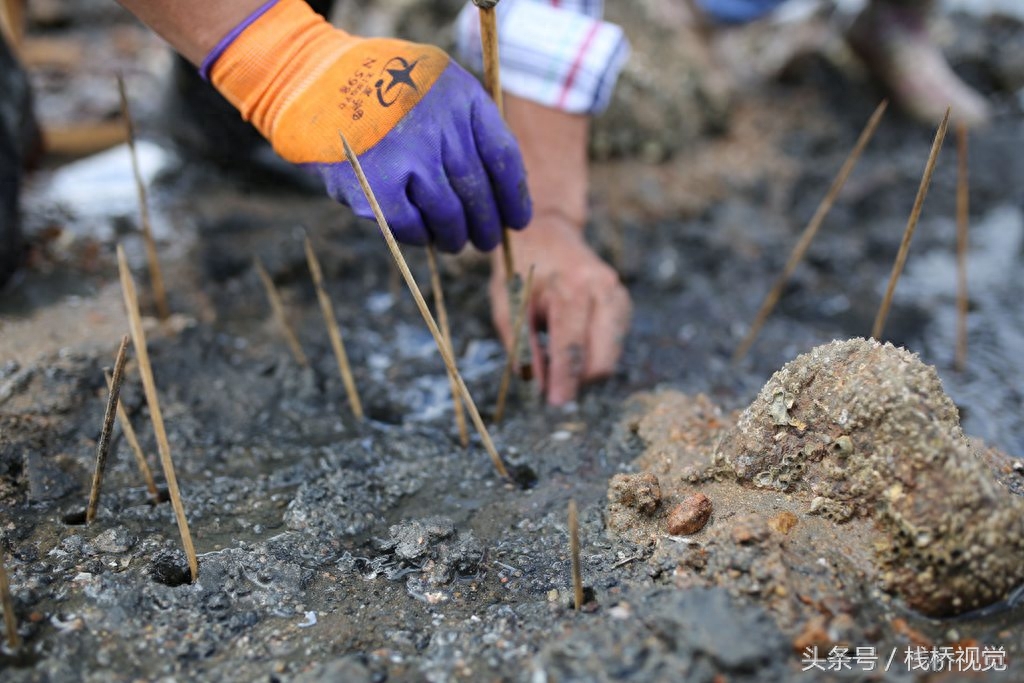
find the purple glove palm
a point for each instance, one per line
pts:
(449, 171)
(440, 160)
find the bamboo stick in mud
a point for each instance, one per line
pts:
(962, 226)
(446, 332)
(804, 243)
(103, 445)
(421, 304)
(334, 332)
(131, 303)
(908, 234)
(574, 552)
(492, 83)
(155, 274)
(506, 376)
(133, 443)
(11, 624)
(277, 306)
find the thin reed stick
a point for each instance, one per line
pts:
(131, 303)
(804, 243)
(133, 443)
(155, 274)
(492, 83)
(277, 306)
(103, 445)
(574, 551)
(506, 376)
(908, 234)
(13, 639)
(446, 332)
(962, 225)
(417, 295)
(334, 332)
(12, 21)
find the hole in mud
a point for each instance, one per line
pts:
(170, 570)
(162, 496)
(589, 600)
(23, 658)
(524, 476)
(76, 518)
(384, 412)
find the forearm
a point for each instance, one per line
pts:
(192, 27)
(554, 148)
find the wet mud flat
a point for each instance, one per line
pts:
(381, 550)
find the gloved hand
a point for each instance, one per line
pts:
(441, 162)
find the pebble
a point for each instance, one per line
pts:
(116, 540)
(690, 516)
(783, 522)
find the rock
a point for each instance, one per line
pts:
(690, 516)
(867, 430)
(642, 492)
(670, 92)
(749, 529)
(783, 522)
(46, 480)
(670, 635)
(116, 540)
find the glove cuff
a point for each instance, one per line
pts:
(261, 64)
(218, 49)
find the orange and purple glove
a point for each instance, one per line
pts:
(442, 163)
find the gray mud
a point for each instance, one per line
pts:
(334, 550)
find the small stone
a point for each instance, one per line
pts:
(783, 522)
(813, 634)
(749, 529)
(116, 540)
(641, 492)
(690, 516)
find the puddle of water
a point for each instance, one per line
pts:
(98, 189)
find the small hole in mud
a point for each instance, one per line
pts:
(384, 412)
(22, 658)
(170, 569)
(589, 600)
(524, 476)
(162, 496)
(76, 518)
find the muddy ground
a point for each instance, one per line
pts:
(337, 550)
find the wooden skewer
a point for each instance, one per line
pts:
(962, 224)
(446, 332)
(103, 445)
(333, 331)
(417, 295)
(574, 551)
(278, 308)
(915, 214)
(131, 303)
(12, 21)
(155, 274)
(492, 83)
(810, 232)
(13, 639)
(506, 376)
(133, 442)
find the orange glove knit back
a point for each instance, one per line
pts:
(442, 163)
(299, 80)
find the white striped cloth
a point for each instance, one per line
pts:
(558, 53)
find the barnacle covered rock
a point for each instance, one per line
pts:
(865, 429)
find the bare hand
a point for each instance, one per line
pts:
(576, 297)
